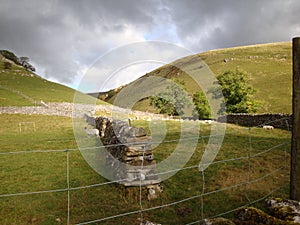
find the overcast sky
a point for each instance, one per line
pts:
(64, 38)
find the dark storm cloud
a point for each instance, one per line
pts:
(215, 24)
(64, 38)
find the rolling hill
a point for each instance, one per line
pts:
(36, 188)
(269, 67)
(21, 87)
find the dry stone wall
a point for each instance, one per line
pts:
(131, 156)
(282, 121)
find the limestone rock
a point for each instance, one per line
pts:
(146, 222)
(217, 221)
(287, 210)
(253, 216)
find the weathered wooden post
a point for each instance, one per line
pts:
(295, 147)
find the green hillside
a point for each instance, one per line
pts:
(21, 87)
(269, 67)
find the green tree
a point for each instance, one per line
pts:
(202, 109)
(172, 101)
(237, 92)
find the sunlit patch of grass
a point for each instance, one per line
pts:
(227, 183)
(269, 67)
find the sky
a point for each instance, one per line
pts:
(66, 39)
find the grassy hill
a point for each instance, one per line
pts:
(20, 87)
(269, 67)
(36, 185)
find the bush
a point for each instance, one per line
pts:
(237, 92)
(202, 109)
(172, 101)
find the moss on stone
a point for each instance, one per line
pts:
(287, 210)
(253, 216)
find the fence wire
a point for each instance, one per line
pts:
(250, 155)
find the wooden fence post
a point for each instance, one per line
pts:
(295, 147)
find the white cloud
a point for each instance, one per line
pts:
(128, 62)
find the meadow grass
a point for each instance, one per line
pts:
(42, 171)
(20, 87)
(269, 67)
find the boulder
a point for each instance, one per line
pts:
(287, 210)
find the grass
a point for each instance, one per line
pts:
(20, 87)
(269, 67)
(41, 171)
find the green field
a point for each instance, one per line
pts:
(269, 67)
(41, 167)
(24, 171)
(20, 87)
(17, 83)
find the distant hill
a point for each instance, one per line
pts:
(19, 86)
(269, 67)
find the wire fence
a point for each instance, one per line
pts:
(253, 151)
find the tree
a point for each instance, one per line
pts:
(237, 92)
(202, 109)
(24, 61)
(172, 101)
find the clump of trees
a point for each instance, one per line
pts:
(202, 109)
(173, 100)
(22, 61)
(236, 91)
